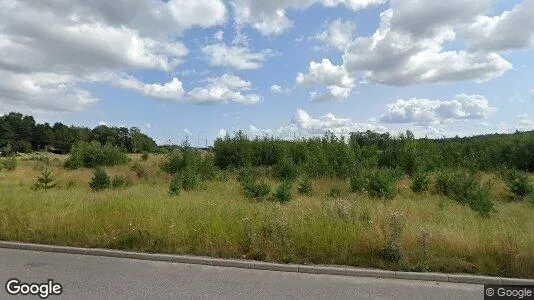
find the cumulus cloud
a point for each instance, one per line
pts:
(89, 41)
(276, 89)
(304, 125)
(224, 89)
(512, 29)
(241, 58)
(425, 112)
(269, 17)
(408, 46)
(338, 82)
(172, 90)
(338, 34)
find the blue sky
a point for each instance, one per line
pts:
(201, 68)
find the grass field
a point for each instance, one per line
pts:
(436, 234)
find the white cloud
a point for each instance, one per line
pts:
(275, 88)
(338, 82)
(338, 34)
(427, 112)
(222, 133)
(407, 48)
(525, 122)
(238, 57)
(224, 89)
(148, 125)
(304, 125)
(512, 29)
(219, 35)
(89, 41)
(269, 17)
(172, 90)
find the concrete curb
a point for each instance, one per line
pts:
(248, 264)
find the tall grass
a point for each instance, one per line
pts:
(217, 220)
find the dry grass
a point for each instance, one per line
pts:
(217, 220)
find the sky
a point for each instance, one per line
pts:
(199, 69)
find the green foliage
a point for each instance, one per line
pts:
(305, 187)
(518, 183)
(359, 180)
(335, 192)
(91, 155)
(420, 182)
(9, 163)
(252, 189)
(465, 189)
(119, 182)
(144, 156)
(189, 178)
(285, 169)
(283, 192)
(393, 251)
(139, 170)
(206, 168)
(175, 187)
(382, 184)
(100, 180)
(45, 181)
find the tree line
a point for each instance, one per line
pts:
(20, 133)
(331, 155)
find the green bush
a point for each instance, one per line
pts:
(285, 169)
(393, 251)
(91, 155)
(144, 156)
(206, 168)
(382, 184)
(358, 181)
(257, 190)
(119, 182)
(465, 189)
(10, 163)
(305, 187)
(283, 192)
(100, 180)
(189, 178)
(420, 182)
(175, 186)
(335, 192)
(518, 183)
(45, 181)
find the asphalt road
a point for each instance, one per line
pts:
(91, 277)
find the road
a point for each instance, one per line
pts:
(92, 277)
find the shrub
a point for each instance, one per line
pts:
(518, 183)
(257, 190)
(382, 184)
(285, 169)
(465, 189)
(119, 182)
(189, 178)
(100, 180)
(207, 169)
(10, 163)
(175, 186)
(305, 187)
(283, 192)
(248, 175)
(91, 155)
(144, 156)
(335, 192)
(139, 170)
(393, 252)
(358, 181)
(420, 182)
(177, 161)
(45, 181)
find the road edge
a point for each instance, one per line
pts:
(258, 265)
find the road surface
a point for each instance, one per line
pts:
(92, 277)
